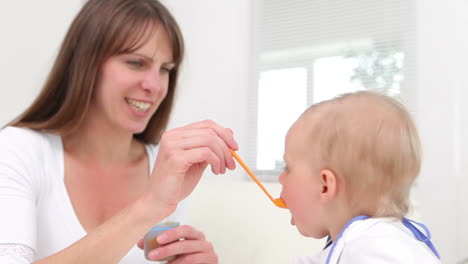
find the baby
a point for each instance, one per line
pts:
(350, 165)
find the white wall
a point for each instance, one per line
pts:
(30, 32)
(461, 128)
(234, 214)
(442, 120)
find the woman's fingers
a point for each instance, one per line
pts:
(200, 155)
(194, 248)
(188, 167)
(184, 231)
(215, 144)
(196, 136)
(183, 248)
(224, 133)
(184, 153)
(140, 243)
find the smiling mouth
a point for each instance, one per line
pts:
(138, 105)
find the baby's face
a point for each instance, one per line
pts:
(301, 183)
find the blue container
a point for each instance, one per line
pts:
(150, 239)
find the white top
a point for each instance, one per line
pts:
(376, 241)
(37, 217)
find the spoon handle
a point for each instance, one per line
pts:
(250, 173)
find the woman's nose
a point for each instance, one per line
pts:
(151, 82)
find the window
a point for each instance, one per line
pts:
(308, 51)
(282, 98)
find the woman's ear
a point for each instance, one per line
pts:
(328, 182)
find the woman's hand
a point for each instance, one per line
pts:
(193, 249)
(184, 154)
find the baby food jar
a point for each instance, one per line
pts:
(150, 239)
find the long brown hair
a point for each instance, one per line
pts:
(101, 29)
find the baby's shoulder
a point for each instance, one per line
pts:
(385, 238)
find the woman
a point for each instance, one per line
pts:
(79, 177)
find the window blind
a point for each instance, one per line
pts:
(338, 45)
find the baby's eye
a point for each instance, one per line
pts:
(284, 168)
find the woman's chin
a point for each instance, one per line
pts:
(137, 129)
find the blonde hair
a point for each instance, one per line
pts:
(369, 140)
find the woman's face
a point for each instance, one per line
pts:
(132, 85)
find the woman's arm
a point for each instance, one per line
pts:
(111, 241)
(22, 173)
(183, 156)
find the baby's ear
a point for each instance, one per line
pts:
(328, 181)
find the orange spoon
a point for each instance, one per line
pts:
(278, 201)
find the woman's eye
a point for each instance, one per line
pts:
(166, 69)
(134, 63)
